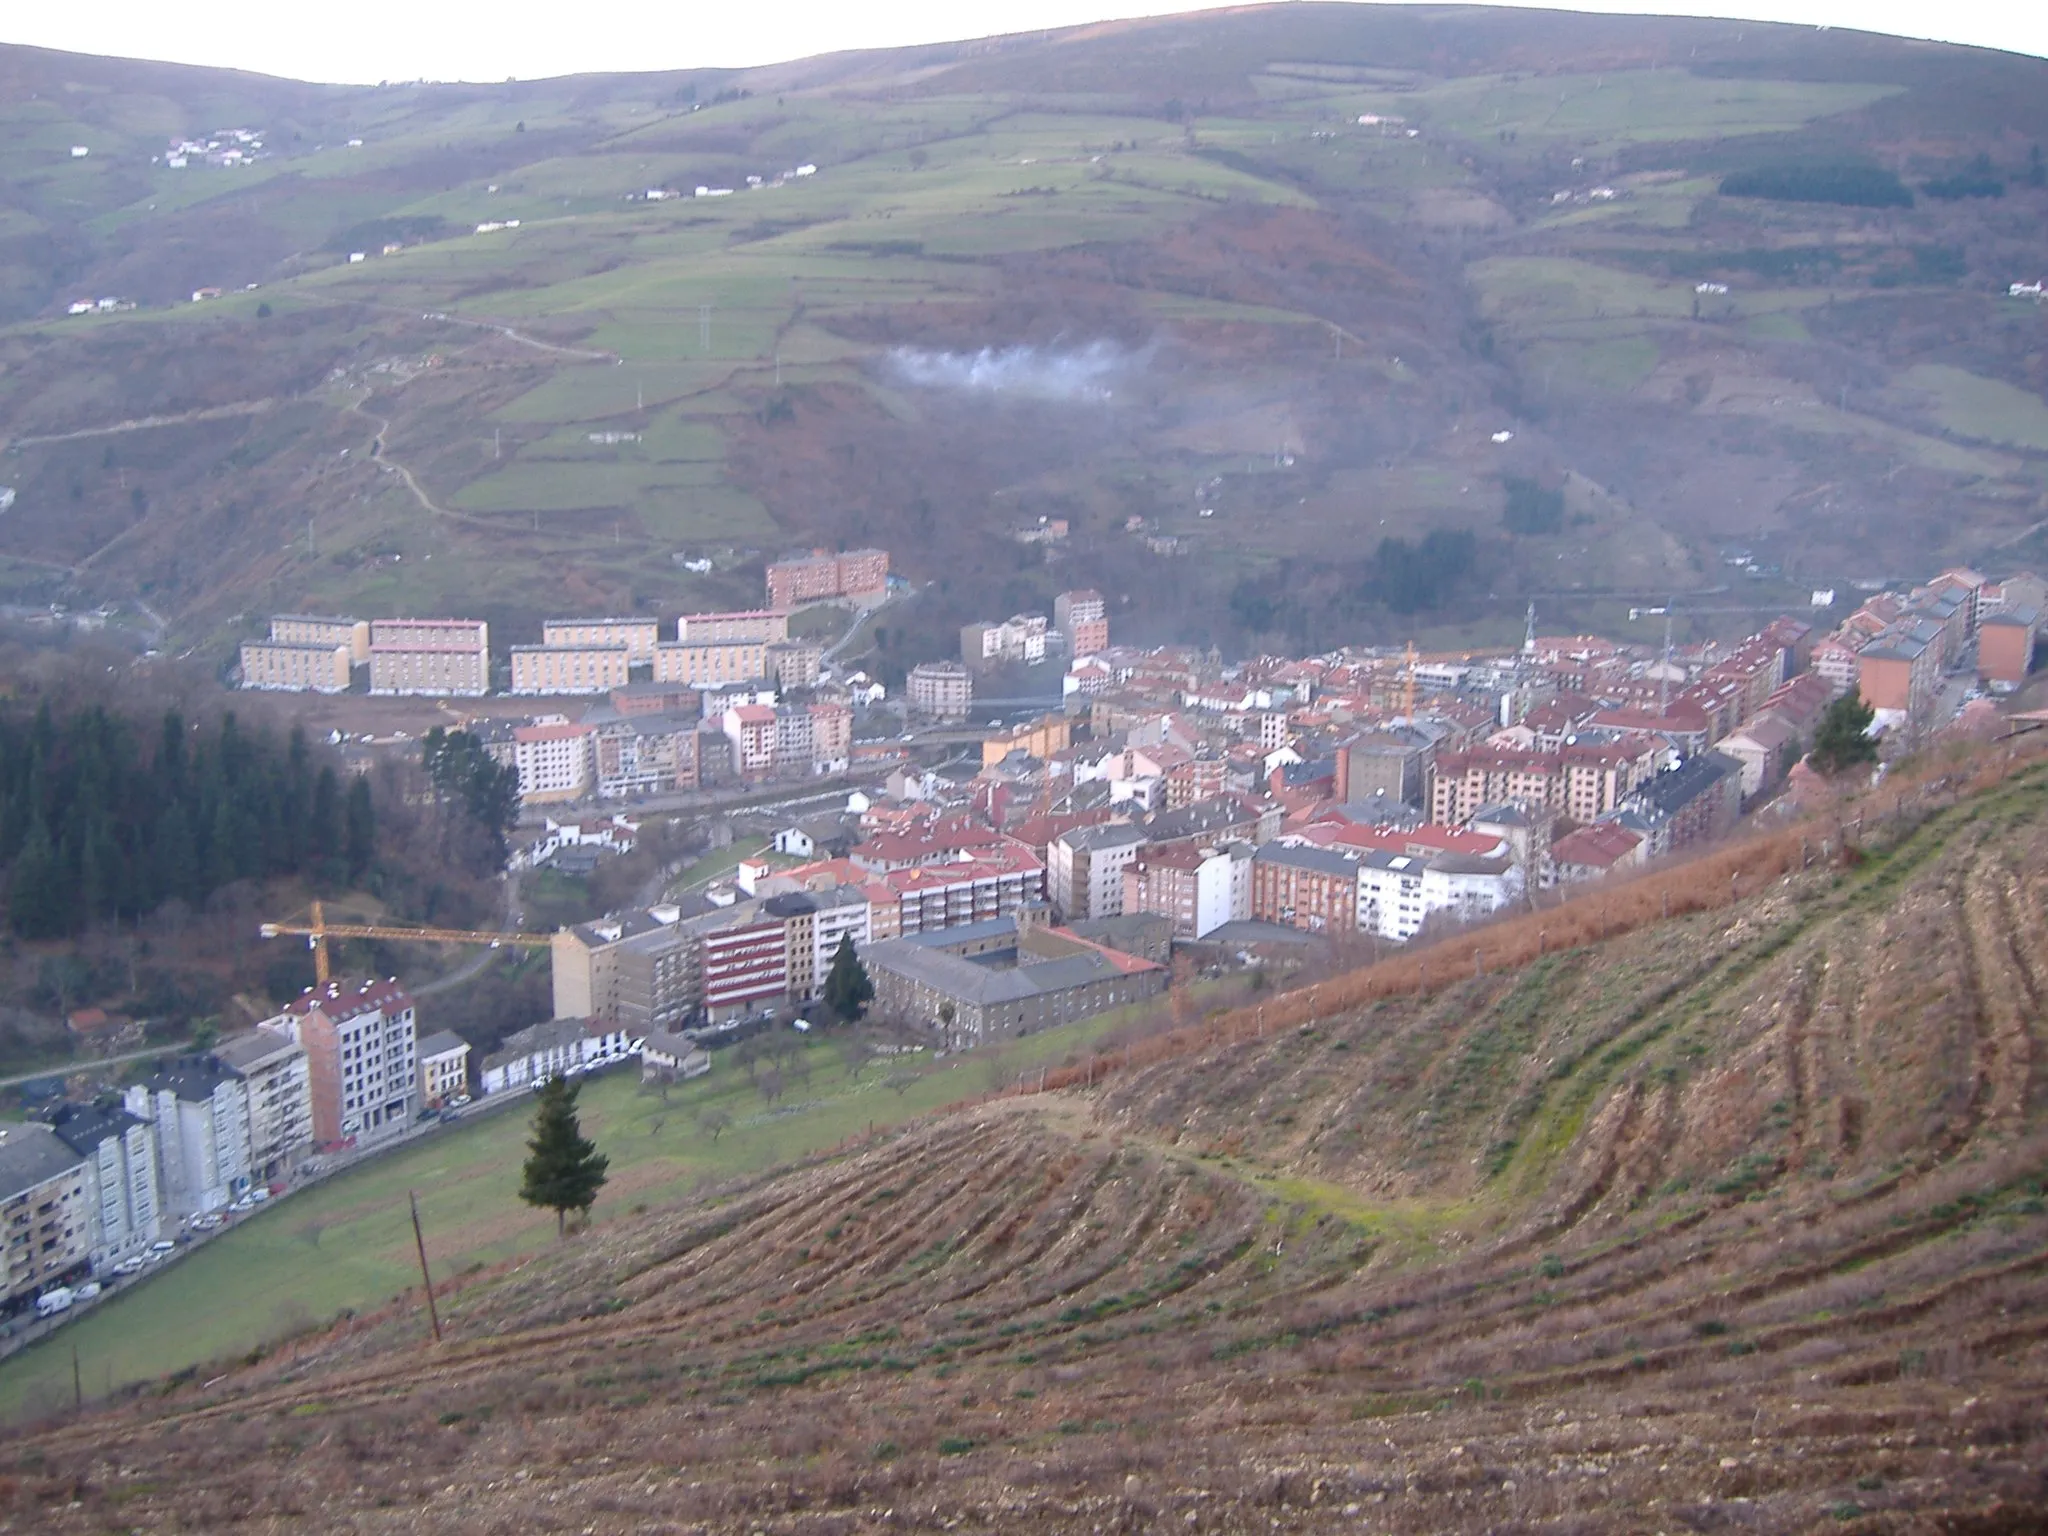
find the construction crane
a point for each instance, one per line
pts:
(319, 931)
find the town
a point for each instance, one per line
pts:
(1168, 808)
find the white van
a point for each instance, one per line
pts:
(50, 1303)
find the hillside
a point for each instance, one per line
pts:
(1273, 279)
(1733, 1223)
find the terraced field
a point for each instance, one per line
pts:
(1733, 1223)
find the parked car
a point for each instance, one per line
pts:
(130, 1266)
(259, 1194)
(87, 1291)
(460, 1101)
(160, 1247)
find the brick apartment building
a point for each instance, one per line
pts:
(1315, 889)
(361, 1064)
(859, 574)
(1083, 617)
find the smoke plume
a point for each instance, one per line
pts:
(1033, 373)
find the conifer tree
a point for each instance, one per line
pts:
(1839, 743)
(361, 819)
(565, 1170)
(848, 990)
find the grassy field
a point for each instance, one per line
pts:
(1970, 405)
(347, 1243)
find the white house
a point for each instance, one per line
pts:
(555, 1048)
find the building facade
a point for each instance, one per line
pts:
(571, 668)
(361, 1058)
(645, 754)
(943, 690)
(315, 629)
(119, 1149)
(711, 665)
(45, 1213)
(279, 1094)
(550, 1049)
(436, 657)
(444, 1067)
(201, 1114)
(859, 574)
(291, 666)
(554, 762)
(758, 626)
(638, 636)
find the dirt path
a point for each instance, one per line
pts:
(382, 458)
(145, 423)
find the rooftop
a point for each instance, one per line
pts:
(31, 1154)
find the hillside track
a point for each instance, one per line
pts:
(1738, 1221)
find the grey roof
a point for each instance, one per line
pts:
(984, 985)
(548, 1034)
(82, 1127)
(1322, 860)
(440, 1043)
(1470, 863)
(1199, 819)
(243, 1053)
(1110, 834)
(1670, 792)
(30, 1155)
(963, 933)
(192, 1078)
(1244, 930)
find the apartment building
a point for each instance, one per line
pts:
(361, 1056)
(638, 636)
(814, 925)
(711, 665)
(290, 666)
(1584, 781)
(859, 574)
(640, 970)
(119, 1150)
(595, 668)
(645, 754)
(554, 760)
(1021, 637)
(792, 664)
(1314, 889)
(201, 1114)
(277, 1085)
(1041, 977)
(745, 960)
(2005, 646)
(448, 658)
(45, 1213)
(794, 737)
(444, 1067)
(1083, 617)
(831, 735)
(943, 690)
(1198, 888)
(315, 629)
(758, 626)
(751, 730)
(1039, 738)
(552, 1048)
(1085, 869)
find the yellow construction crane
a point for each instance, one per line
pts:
(1408, 686)
(319, 931)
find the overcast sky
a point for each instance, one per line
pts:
(370, 40)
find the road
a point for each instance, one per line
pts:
(509, 920)
(67, 1068)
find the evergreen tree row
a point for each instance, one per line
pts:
(100, 820)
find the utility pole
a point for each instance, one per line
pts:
(426, 1280)
(1664, 673)
(497, 442)
(312, 549)
(77, 1381)
(704, 328)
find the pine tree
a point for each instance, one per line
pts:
(36, 896)
(848, 991)
(1840, 743)
(565, 1171)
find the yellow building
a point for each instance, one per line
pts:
(638, 636)
(295, 667)
(710, 666)
(1036, 738)
(767, 625)
(314, 629)
(571, 668)
(442, 657)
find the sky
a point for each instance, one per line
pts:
(363, 41)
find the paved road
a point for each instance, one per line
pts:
(67, 1068)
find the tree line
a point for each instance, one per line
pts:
(101, 818)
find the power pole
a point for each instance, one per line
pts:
(704, 328)
(426, 1280)
(1664, 672)
(497, 442)
(77, 1381)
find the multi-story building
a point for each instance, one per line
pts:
(759, 626)
(361, 1058)
(1039, 738)
(1584, 780)
(638, 636)
(943, 690)
(316, 629)
(1085, 869)
(794, 664)
(1698, 800)
(859, 574)
(554, 761)
(646, 754)
(1389, 896)
(45, 1213)
(439, 657)
(814, 925)
(1199, 888)
(1043, 976)
(711, 665)
(119, 1150)
(1898, 673)
(444, 1067)
(278, 1088)
(1315, 889)
(2005, 646)
(640, 970)
(1083, 617)
(751, 730)
(657, 699)
(1021, 637)
(745, 960)
(831, 735)
(201, 1113)
(571, 668)
(291, 666)
(551, 1049)
(793, 740)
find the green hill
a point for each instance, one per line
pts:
(1272, 279)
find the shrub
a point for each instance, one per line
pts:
(1856, 186)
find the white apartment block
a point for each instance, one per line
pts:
(277, 1081)
(119, 1149)
(551, 668)
(712, 665)
(555, 761)
(201, 1113)
(638, 636)
(292, 666)
(441, 658)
